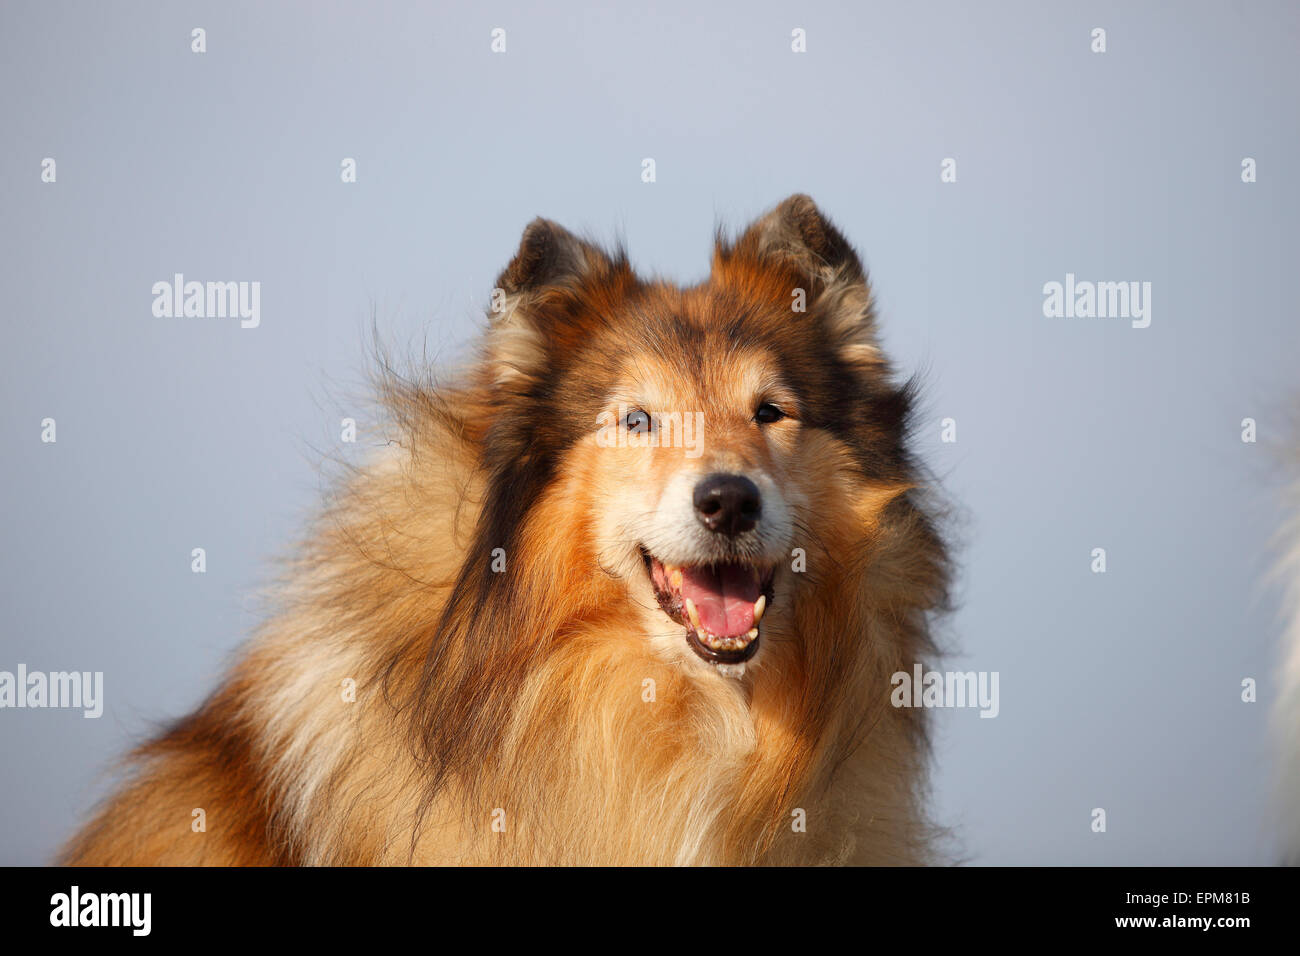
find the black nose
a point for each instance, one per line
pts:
(727, 504)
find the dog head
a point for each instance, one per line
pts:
(708, 439)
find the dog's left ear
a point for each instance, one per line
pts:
(797, 236)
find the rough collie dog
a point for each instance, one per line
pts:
(630, 590)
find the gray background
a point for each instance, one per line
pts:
(1118, 690)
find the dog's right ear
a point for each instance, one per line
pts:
(548, 255)
(537, 303)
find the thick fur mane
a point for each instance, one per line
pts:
(453, 677)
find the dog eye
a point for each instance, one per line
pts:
(767, 413)
(636, 421)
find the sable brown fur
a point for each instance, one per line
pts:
(501, 715)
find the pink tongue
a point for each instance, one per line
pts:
(724, 596)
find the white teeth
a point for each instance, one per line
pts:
(693, 613)
(675, 578)
(759, 607)
(735, 642)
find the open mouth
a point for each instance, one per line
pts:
(720, 605)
